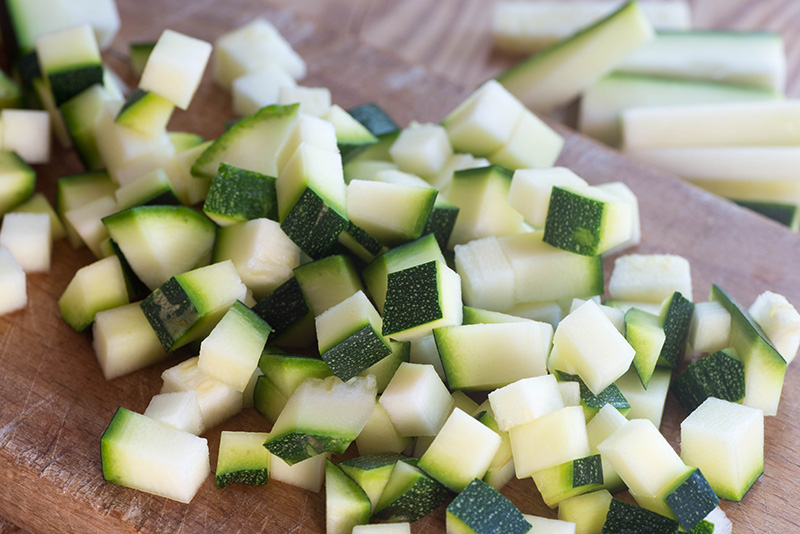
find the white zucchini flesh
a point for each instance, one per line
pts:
(27, 236)
(13, 292)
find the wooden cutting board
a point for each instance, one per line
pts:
(55, 404)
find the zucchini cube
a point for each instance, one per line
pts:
(525, 400)
(268, 399)
(328, 281)
(87, 221)
(27, 236)
(27, 133)
(549, 440)
(780, 322)
(188, 306)
(592, 345)
(587, 511)
(384, 369)
(380, 435)
(232, 350)
(152, 187)
(17, 181)
(218, 401)
(315, 101)
(144, 454)
(146, 112)
(480, 509)
(287, 372)
(602, 425)
(178, 409)
(263, 255)
(501, 469)
(485, 121)
(481, 194)
(530, 191)
(622, 517)
(764, 367)
(12, 283)
(124, 341)
(650, 277)
(710, 330)
(371, 472)
(287, 312)
(352, 137)
(421, 298)
(719, 375)
(322, 416)
(94, 288)
(255, 90)
(569, 479)
(175, 67)
(242, 458)
(310, 130)
(645, 403)
(592, 403)
(348, 336)
(70, 60)
(422, 149)
(533, 145)
(676, 315)
(586, 220)
(308, 474)
(346, 504)
(692, 500)
(645, 333)
(462, 450)
(238, 195)
(409, 495)
(487, 278)
(417, 401)
(725, 441)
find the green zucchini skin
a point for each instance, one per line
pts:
(624, 518)
(677, 322)
(238, 195)
(483, 510)
(313, 225)
(359, 351)
(592, 403)
(719, 375)
(692, 500)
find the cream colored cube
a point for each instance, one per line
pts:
(525, 400)
(27, 237)
(13, 292)
(422, 149)
(549, 440)
(175, 67)
(650, 277)
(417, 400)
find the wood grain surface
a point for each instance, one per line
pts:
(417, 59)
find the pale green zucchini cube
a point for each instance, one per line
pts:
(96, 287)
(456, 162)
(650, 277)
(263, 255)
(764, 367)
(487, 278)
(178, 409)
(564, 70)
(462, 450)
(12, 283)
(238, 195)
(691, 499)
(383, 370)
(218, 401)
(309, 130)
(409, 495)
(645, 333)
(314, 101)
(124, 341)
(416, 400)
(141, 453)
(255, 90)
(308, 474)
(530, 191)
(485, 121)
(78, 189)
(646, 403)
(322, 415)
(571, 478)
(242, 458)
(146, 112)
(480, 509)
(70, 60)
(268, 400)
(725, 441)
(501, 469)
(544, 273)
(591, 344)
(392, 213)
(780, 322)
(643, 458)
(152, 187)
(372, 472)
(549, 440)
(588, 511)
(346, 504)
(615, 315)
(287, 372)
(352, 137)
(175, 67)
(380, 435)
(27, 236)
(232, 350)
(719, 375)
(570, 393)
(87, 221)
(424, 351)
(467, 353)
(348, 336)
(481, 194)
(607, 420)
(421, 149)
(592, 403)
(17, 181)
(525, 400)
(711, 327)
(624, 194)
(27, 133)
(421, 298)
(327, 282)
(533, 145)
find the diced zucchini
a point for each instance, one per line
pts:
(12, 283)
(255, 90)
(607, 420)
(383, 528)
(422, 149)
(27, 133)
(87, 221)
(287, 312)
(268, 399)
(178, 409)
(94, 288)
(780, 322)
(467, 353)
(314, 101)
(17, 181)
(592, 403)
(787, 214)
(74, 191)
(487, 277)
(352, 137)
(645, 333)
(417, 400)
(141, 453)
(676, 315)
(238, 195)
(587, 511)
(322, 416)
(146, 112)
(569, 479)
(725, 441)
(622, 517)
(348, 336)
(562, 71)
(175, 67)
(308, 474)
(38, 203)
(70, 60)
(162, 241)
(27, 237)
(153, 187)
(650, 277)
(242, 458)
(346, 504)
(380, 435)
(327, 282)
(525, 400)
(533, 145)
(188, 306)
(371, 472)
(719, 375)
(139, 52)
(287, 372)
(409, 495)
(764, 367)
(692, 500)
(531, 189)
(501, 469)
(646, 403)
(710, 330)
(480, 509)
